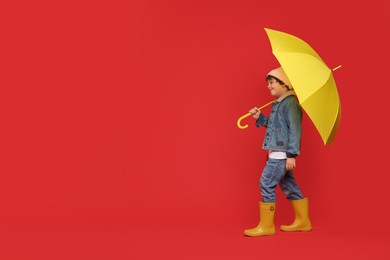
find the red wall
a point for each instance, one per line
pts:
(126, 112)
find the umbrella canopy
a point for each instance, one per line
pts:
(312, 81)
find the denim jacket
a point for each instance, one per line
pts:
(284, 126)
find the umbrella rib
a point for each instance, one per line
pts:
(295, 52)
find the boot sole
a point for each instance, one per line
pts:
(259, 235)
(298, 230)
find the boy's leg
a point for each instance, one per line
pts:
(269, 179)
(300, 204)
(290, 187)
(272, 175)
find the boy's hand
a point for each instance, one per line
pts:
(255, 112)
(290, 164)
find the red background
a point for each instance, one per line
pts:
(119, 137)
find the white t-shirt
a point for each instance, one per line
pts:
(277, 155)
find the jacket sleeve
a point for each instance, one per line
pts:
(262, 121)
(294, 123)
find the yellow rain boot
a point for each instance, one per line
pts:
(302, 220)
(266, 225)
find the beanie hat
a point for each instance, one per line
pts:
(280, 75)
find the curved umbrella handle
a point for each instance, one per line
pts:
(249, 114)
(240, 119)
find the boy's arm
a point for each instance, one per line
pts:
(294, 121)
(262, 121)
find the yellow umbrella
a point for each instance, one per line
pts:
(312, 81)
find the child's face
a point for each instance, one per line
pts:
(275, 88)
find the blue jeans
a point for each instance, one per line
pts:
(275, 173)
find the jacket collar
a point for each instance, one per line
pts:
(288, 93)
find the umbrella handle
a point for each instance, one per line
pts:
(249, 114)
(240, 119)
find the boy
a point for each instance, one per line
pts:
(282, 140)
